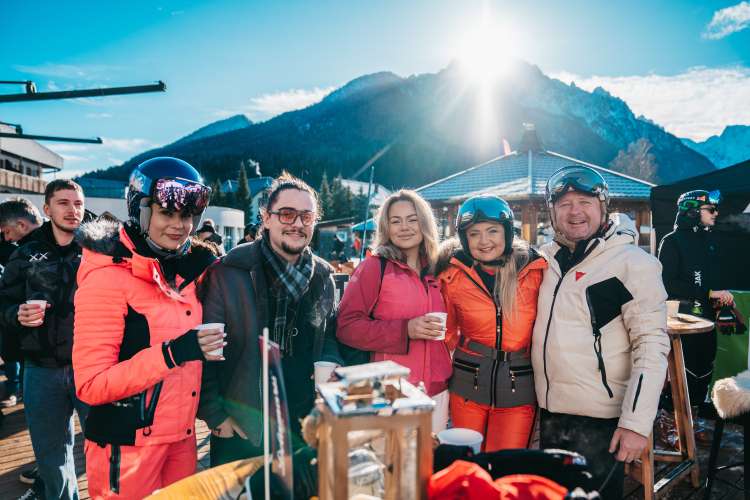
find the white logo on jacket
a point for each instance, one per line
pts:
(36, 257)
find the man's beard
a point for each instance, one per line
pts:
(292, 250)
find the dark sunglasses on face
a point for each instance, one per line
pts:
(711, 210)
(289, 216)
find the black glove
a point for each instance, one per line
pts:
(183, 348)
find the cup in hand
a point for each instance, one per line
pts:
(443, 317)
(41, 303)
(213, 326)
(673, 307)
(323, 371)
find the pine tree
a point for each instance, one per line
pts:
(324, 193)
(242, 195)
(217, 197)
(341, 200)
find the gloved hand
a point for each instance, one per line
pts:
(183, 348)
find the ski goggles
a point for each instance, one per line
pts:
(483, 209)
(181, 195)
(575, 178)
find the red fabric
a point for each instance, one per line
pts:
(502, 428)
(105, 290)
(140, 473)
(529, 487)
(462, 481)
(468, 481)
(403, 296)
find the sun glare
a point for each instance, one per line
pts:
(487, 53)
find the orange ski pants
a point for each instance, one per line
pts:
(502, 428)
(139, 470)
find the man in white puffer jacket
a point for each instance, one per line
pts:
(600, 346)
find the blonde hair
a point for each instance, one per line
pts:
(506, 277)
(429, 246)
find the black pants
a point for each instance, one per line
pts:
(225, 450)
(699, 352)
(590, 437)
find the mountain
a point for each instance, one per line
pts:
(235, 122)
(729, 148)
(438, 124)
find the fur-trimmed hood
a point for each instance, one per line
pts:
(103, 236)
(451, 248)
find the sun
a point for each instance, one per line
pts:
(487, 52)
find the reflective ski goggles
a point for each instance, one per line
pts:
(483, 209)
(576, 178)
(181, 195)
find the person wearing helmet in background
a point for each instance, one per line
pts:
(690, 270)
(600, 346)
(490, 282)
(137, 354)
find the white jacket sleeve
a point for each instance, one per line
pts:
(645, 318)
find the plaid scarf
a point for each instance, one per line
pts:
(291, 282)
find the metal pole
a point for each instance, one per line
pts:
(266, 421)
(72, 94)
(367, 213)
(95, 140)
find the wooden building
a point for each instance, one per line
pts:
(520, 178)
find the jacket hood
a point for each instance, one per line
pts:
(451, 248)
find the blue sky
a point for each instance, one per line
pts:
(684, 64)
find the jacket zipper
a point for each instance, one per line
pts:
(598, 346)
(546, 336)
(495, 362)
(469, 367)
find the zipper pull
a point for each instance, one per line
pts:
(512, 381)
(476, 380)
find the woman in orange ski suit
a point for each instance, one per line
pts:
(137, 356)
(487, 250)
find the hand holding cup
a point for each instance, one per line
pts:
(31, 314)
(426, 327)
(211, 339)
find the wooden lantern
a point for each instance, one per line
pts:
(402, 428)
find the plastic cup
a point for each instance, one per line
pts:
(460, 436)
(213, 326)
(323, 371)
(673, 307)
(41, 303)
(443, 317)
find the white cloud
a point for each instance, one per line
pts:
(695, 104)
(61, 148)
(127, 145)
(727, 21)
(269, 105)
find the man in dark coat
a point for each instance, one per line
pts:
(690, 258)
(274, 282)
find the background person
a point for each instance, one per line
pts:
(386, 309)
(691, 266)
(137, 357)
(44, 268)
(490, 284)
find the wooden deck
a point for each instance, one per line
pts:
(16, 455)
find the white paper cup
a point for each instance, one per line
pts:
(41, 303)
(443, 317)
(323, 371)
(673, 307)
(213, 326)
(459, 436)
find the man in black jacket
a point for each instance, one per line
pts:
(690, 269)
(273, 282)
(44, 269)
(18, 218)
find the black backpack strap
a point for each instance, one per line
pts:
(383, 263)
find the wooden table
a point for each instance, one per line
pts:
(685, 459)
